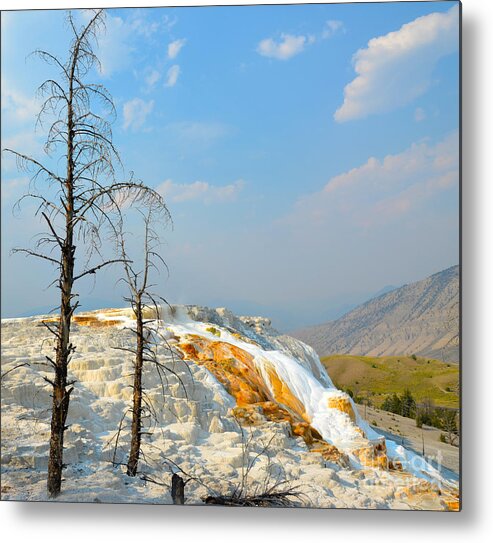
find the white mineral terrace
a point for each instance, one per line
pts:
(192, 424)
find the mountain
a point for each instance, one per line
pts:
(420, 318)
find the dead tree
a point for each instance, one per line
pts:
(147, 336)
(177, 489)
(80, 197)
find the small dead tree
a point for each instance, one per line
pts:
(79, 197)
(143, 302)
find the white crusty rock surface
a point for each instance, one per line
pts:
(192, 426)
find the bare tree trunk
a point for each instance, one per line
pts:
(133, 459)
(61, 395)
(177, 490)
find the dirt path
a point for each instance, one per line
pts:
(404, 430)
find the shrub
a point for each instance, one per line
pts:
(404, 405)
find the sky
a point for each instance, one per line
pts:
(308, 154)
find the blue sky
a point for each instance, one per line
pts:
(308, 153)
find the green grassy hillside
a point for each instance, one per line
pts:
(377, 377)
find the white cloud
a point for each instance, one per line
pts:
(152, 78)
(419, 114)
(114, 49)
(331, 28)
(19, 107)
(200, 190)
(141, 26)
(172, 76)
(384, 190)
(287, 47)
(26, 142)
(119, 41)
(175, 47)
(14, 187)
(135, 113)
(396, 68)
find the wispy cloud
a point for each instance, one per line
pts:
(383, 190)
(331, 28)
(200, 190)
(13, 188)
(419, 114)
(196, 132)
(396, 68)
(19, 107)
(175, 47)
(25, 141)
(152, 78)
(135, 113)
(172, 76)
(285, 48)
(119, 42)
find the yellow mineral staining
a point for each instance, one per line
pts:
(420, 494)
(373, 455)
(85, 320)
(88, 320)
(249, 415)
(307, 432)
(245, 339)
(108, 317)
(275, 412)
(330, 453)
(395, 465)
(235, 369)
(452, 504)
(343, 404)
(283, 394)
(256, 401)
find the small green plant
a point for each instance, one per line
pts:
(443, 438)
(414, 357)
(374, 366)
(374, 422)
(213, 331)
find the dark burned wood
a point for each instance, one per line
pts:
(133, 458)
(177, 489)
(286, 498)
(145, 350)
(61, 396)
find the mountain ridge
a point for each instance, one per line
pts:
(419, 318)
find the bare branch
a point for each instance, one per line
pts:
(38, 255)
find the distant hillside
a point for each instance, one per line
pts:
(379, 377)
(420, 318)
